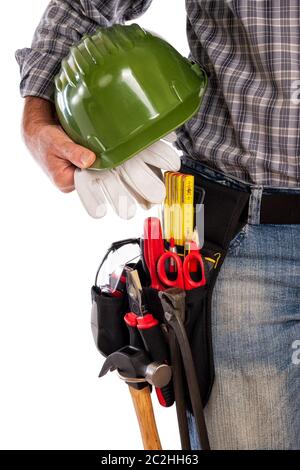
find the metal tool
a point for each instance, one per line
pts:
(135, 367)
(135, 305)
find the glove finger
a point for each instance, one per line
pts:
(146, 205)
(161, 155)
(117, 195)
(142, 180)
(157, 171)
(90, 193)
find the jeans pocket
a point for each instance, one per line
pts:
(239, 239)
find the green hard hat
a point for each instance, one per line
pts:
(123, 89)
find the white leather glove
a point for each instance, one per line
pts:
(138, 180)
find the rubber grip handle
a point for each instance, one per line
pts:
(135, 338)
(157, 348)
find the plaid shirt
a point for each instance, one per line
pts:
(249, 123)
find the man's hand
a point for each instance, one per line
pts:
(55, 152)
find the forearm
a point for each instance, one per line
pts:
(37, 112)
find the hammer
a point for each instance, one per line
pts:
(136, 369)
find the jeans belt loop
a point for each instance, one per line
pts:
(254, 205)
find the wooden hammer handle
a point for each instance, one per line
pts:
(144, 411)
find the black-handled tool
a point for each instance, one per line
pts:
(135, 339)
(155, 344)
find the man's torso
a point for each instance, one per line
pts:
(248, 125)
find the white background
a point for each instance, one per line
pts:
(50, 396)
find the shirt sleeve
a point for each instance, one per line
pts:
(63, 24)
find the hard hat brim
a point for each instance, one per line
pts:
(141, 140)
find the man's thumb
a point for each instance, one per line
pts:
(76, 154)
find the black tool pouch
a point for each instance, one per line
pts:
(225, 211)
(107, 321)
(107, 316)
(198, 329)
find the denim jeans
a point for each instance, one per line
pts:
(255, 401)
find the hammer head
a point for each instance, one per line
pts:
(134, 363)
(129, 361)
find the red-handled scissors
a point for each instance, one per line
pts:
(183, 279)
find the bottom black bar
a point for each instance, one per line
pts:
(137, 459)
